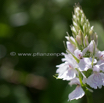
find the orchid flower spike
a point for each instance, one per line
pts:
(83, 63)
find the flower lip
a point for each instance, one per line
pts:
(78, 92)
(96, 80)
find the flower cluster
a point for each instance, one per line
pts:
(83, 63)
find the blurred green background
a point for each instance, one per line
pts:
(39, 26)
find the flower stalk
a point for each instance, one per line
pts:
(89, 97)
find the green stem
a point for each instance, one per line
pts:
(87, 92)
(89, 96)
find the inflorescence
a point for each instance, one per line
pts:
(83, 63)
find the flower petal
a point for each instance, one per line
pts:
(74, 81)
(85, 64)
(62, 67)
(96, 68)
(78, 53)
(69, 58)
(91, 46)
(84, 51)
(100, 62)
(68, 74)
(102, 67)
(77, 93)
(100, 54)
(70, 47)
(96, 80)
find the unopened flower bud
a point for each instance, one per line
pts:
(96, 38)
(74, 23)
(83, 16)
(67, 37)
(91, 30)
(74, 17)
(91, 46)
(84, 27)
(86, 39)
(80, 33)
(81, 11)
(88, 25)
(82, 21)
(74, 30)
(77, 9)
(78, 39)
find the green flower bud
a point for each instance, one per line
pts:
(81, 27)
(78, 39)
